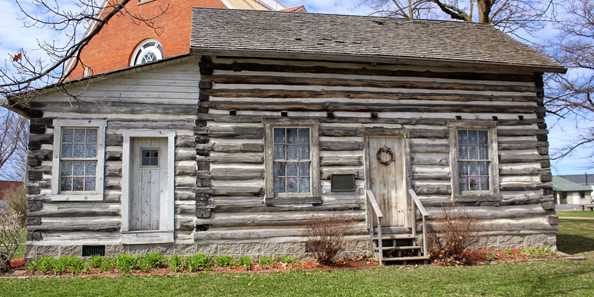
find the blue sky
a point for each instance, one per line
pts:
(15, 36)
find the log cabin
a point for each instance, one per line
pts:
(275, 120)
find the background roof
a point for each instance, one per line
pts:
(561, 184)
(373, 37)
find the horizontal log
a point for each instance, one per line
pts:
(341, 160)
(76, 209)
(430, 159)
(489, 212)
(236, 173)
(264, 233)
(78, 224)
(340, 145)
(515, 224)
(226, 158)
(293, 218)
(364, 81)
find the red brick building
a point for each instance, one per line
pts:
(125, 42)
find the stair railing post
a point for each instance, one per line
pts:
(380, 244)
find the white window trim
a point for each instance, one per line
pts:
(140, 48)
(167, 209)
(97, 195)
(493, 191)
(310, 197)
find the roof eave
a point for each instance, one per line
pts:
(372, 59)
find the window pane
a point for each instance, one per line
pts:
(77, 184)
(279, 152)
(279, 169)
(78, 151)
(304, 185)
(279, 135)
(292, 135)
(292, 184)
(79, 135)
(473, 183)
(304, 152)
(91, 151)
(304, 169)
(90, 183)
(90, 168)
(78, 168)
(292, 169)
(293, 152)
(473, 168)
(484, 181)
(67, 135)
(66, 150)
(483, 138)
(66, 184)
(279, 185)
(66, 168)
(91, 136)
(303, 135)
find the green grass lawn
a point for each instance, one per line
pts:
(580, 214)
(541, 278)
(575, 236)
(552, 278)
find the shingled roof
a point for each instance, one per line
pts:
(272, 33)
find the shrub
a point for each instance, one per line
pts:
(288, 259)
(176, 263)
(32, 266)
(17, 202)
(223, 261)
(455, 237)
(106, 264)
(10, 237)
(125, 263)
(199, 262)
(537, 252)
(246, 262)
(73, 264)
(326, 239)
(95, 261)
(44, 264)
(58, 265)
(151, 261)
(265, 261)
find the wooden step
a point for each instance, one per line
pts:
(395, 236)
(402, 259)
(392, 248)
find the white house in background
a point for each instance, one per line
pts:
(573, 189)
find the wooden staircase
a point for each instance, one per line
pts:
(395, 245)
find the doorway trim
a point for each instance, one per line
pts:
(165, 234)
(395, 132)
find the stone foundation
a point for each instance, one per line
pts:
(354, 248)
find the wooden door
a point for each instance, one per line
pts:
(148, 182)
(387, 178)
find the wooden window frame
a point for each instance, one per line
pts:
(97, 195)
(493, 192)
(165, 234)
(313, 196)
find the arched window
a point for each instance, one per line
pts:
(147, 51)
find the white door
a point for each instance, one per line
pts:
(387, 178)
(148, 182)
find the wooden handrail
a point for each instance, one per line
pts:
(424, 215)
(418, 203)
(374, 205)
(377, 213)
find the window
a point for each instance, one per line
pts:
(148, 51)
(582, 195)
(292, 159)
(78, 160)
(150, 157)
(473, 160)
(77, 172)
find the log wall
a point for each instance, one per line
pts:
(238, 94)
(217, 106)
(164, 96)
